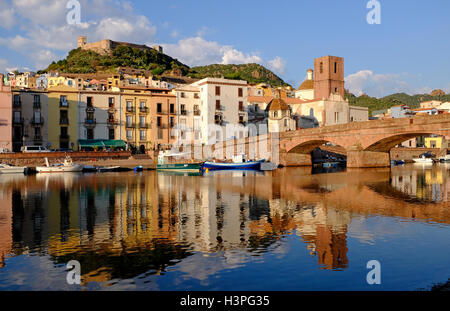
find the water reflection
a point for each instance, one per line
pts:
(136, 226)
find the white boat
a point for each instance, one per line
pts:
(66, 166)
(8, 169)
(423, 160)
(445, 159)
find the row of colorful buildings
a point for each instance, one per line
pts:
(131, 108)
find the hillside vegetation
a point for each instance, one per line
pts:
(252, 73)
(413, 101)
(82, 61)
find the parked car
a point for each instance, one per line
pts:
(30, 149)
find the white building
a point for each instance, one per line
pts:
(223, 106)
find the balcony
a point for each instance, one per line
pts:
(90, 109)
(143, 109)
(64, 121)
(17, 104)
(183, 112)
(90, 122)
(220, 108)
(161, 111)
(111, 110)
(37, 139)
(37, 122)
(18, 121)
(130, 109)
(113, 122)
(163, 126)
(196, 112)
(130, 125)
(64, 137)
(63, 104)
(143, 125)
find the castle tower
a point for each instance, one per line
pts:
(328, 77)
(82, 41)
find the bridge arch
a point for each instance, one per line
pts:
(387, 143)
(307, 146)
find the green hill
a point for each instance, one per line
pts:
(82, 61)
(252, 73)
(386, 102)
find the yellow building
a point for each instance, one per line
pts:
(436, 142)
(63, 117)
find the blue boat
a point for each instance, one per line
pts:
(397, 162)
(250, 165)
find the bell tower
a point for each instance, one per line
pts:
(328, 77)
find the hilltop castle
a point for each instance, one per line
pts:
(106, 46)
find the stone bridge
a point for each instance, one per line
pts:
(367, 143)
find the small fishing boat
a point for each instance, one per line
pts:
(250, 165)
(8, 169)
(105, 169)
(397, 162)
(330, 164)
(445, 159)
(424, 158)
(89, 169)
(66, 166)
(139, 168)
(166, 163)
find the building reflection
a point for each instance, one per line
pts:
(427, 183)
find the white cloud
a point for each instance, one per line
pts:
(278, 65)
(379, 85)
(7, 15)
(196, 51)
(44, 27)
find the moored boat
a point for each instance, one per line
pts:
(445, 159)
(105, 169)
(166, 163)
(9, 169)
(66, 166)
(250, 165)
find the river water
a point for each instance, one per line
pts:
(291, 229)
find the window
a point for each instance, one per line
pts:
(111, 102)
(172, 121)
(90, 134)
(89, 102)
(129, 121)
(336, 117)
(159, 107)
(111, 134)
(172, 108)
(37, 99)
(37, 117)
(142, 135)
(321, 67)
(159, 121)
(183, 109)
(335, 67)
(240, 92)
(142, 104)
(17, 116)
(63, 101)
(285, 122)
(182, 95)
(217, 90)
(335, 90)
(37, 132)
(142, 121)
(129, 135)
(275, 114)
(63, 117)
(217, 104)
(241, 106)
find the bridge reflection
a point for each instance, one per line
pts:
(124, 225)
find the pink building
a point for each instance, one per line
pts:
(5, 115)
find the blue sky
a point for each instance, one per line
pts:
(407, 52)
